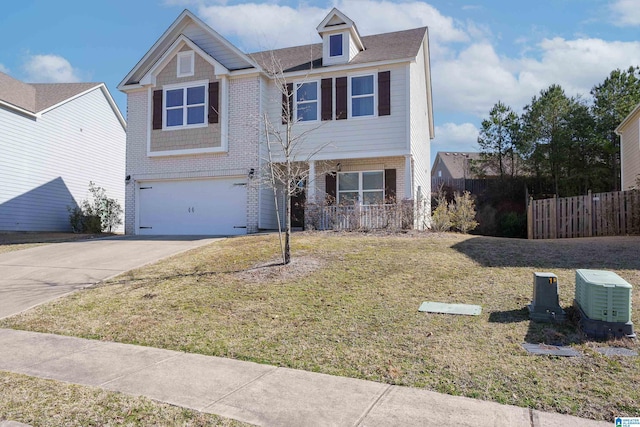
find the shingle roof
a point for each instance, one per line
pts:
(17, 93)
(38, 96)
(457, 163)
(379, 47)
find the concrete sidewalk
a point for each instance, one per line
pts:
(250, 392)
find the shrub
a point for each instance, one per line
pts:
(440, 218)
(100, 214)
(463, 212)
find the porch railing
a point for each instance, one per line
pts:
(361, 217)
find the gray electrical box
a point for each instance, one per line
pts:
(546, 302)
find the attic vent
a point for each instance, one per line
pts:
(185, 63)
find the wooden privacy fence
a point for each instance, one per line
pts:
(600, 214)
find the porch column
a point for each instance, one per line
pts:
(408, 178)
(311, 182)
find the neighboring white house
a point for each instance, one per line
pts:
(629, 131)
(54, 139)
(196, 105)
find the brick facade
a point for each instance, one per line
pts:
(241, 156)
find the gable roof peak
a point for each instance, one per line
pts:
(334, 18)
(337, 20)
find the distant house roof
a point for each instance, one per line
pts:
(380, 47)
(457, 163)
(35, 98)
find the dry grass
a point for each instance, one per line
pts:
(40, 402)
(353, 312)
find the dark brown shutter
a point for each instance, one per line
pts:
(326, 92)
(384, 93)
(341, 98)
(214, 112)
(330, 188)
(390, 185)
(287, 103)
(157, 109)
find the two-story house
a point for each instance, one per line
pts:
(55, 138)
(197, 109)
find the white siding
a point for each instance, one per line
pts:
(419, 128)
(630, 143)
(47, 163)
(214, 47)
(354, 137)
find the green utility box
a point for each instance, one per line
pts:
(603, 295)
(545, 306)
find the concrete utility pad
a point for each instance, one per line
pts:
(445, 308)
(551, 350)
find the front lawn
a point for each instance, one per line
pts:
(349, 306)
(40, 402)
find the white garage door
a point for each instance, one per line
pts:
(191, 207)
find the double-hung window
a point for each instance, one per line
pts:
(362, 94)
(365, 187)
(307, 101)
(185, 106)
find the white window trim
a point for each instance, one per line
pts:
(317, 101)
(360, 190)
(185, 86)
(375, 95)
(224, 121)
(191, 56)
(326, 49)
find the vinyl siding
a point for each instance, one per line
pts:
(354, 137)
(213, 47)
(419, 130)
(630, 154)
(267, 207)
(47, 162)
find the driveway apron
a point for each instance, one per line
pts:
(33, 276)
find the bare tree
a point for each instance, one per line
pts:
(287, 159)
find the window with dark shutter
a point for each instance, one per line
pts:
(287, 103)
(330, 188)
(341, 98)
(214, 112)
(384, 93)
(157, 109)
(390, 185)
(326, 87)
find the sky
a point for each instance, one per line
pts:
(482, 51)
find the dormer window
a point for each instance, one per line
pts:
(335, 45)
(340, 39)
(186, 61)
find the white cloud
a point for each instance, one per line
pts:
(474, 80)
(452, 137)
(273, 26)
(4, 69)
(50, 69)
(626, 12)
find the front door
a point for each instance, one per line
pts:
(298, 202)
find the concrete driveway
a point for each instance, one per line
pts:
(33, 276)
